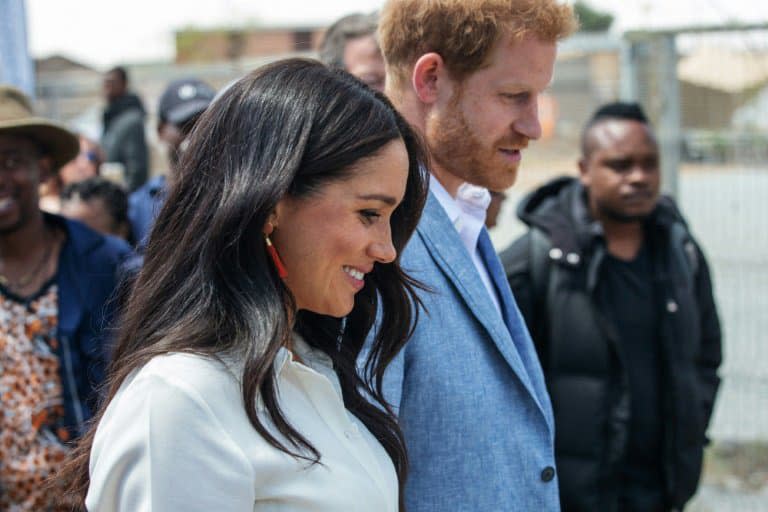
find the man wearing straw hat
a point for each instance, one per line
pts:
(56, 279)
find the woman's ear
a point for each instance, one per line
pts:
(274, 218)
(269, 227)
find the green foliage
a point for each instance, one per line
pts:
(189, 39)
(592, 20)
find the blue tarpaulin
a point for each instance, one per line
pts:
(15, 63)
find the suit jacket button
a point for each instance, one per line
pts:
(548, 474)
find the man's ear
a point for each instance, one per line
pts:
(429, 75)
(584, 171)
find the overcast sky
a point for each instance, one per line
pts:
(107, 32)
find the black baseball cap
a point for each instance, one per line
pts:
(184, 99)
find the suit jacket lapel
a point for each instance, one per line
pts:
(446, 248)
(512, 316)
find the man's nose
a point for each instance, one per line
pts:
(528, 124)
(638, 173)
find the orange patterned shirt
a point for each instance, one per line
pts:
(32, 438)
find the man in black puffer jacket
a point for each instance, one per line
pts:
(618, 297)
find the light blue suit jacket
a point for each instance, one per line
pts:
(470, 396)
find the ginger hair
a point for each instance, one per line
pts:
(464, 32)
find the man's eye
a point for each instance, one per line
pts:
(651, 163)
(11, 163)
(619, 165)
(520, 97)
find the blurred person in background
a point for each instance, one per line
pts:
(350, 44)
(85, 165)
(56, 279)
(180, 105)
(100, 204)
(618, 297)
(494, 208)
(123, 137)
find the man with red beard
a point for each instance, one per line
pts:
(618, 298)
(468, 388)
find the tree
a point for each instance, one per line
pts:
(591, 19)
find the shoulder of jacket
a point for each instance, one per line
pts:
(683, 243)
(88, 248)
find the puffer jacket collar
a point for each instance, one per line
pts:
(559, 208)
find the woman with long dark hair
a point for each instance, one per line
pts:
(234, 383)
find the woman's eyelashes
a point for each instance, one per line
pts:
(369, 216)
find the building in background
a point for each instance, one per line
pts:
(216, 45)
(723, 92)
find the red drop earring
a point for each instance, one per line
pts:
(281, 270)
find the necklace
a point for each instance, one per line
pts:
(24, 280)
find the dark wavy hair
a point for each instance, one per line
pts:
(208, 286)
(114, 197)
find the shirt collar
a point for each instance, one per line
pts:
(471, 203)
(312, 357)
(448, 203)
(314, 361)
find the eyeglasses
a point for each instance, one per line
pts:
(90, 155)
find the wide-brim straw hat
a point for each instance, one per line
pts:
(18, 118)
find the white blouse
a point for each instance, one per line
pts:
(176, 438)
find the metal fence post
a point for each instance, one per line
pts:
(628, 90)
(669, 129)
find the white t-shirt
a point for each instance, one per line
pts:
(176, 438)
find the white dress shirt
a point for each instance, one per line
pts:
(467, 213)
(176, 438)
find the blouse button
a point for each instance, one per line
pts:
(352, 432)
